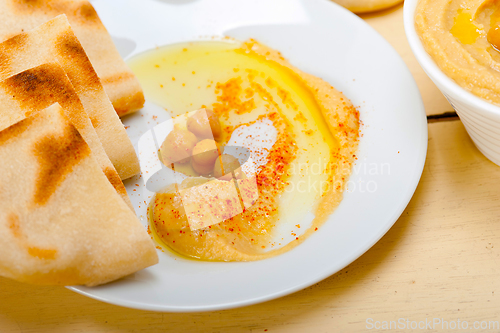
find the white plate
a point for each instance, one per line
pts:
(323, 39)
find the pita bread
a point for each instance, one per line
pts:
(120, 83)
(36, 89)
(61, 222)
(54, 41)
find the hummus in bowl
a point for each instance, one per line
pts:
(455, 42)
(463, 38)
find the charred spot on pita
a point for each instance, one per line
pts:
(57, 156)
(115, 180)
(14, 225)
(29, 5)
(45, 254)
(15, 42)
(33, 87)
(69, 48)
(87, 13)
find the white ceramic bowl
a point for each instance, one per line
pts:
(480, 118)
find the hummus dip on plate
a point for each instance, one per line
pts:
(302, 133)
(463, 38)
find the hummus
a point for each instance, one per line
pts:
(463, 38)
(253, 89)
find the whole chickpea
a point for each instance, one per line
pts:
(205, 152)
(205, 125)
(178, 146)
(202, 169)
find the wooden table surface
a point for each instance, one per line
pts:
(440, 261)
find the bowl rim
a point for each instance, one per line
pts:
(446, 85)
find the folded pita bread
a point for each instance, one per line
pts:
(61, 221)
(121, 85)
(55, 41)
(36, 89)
